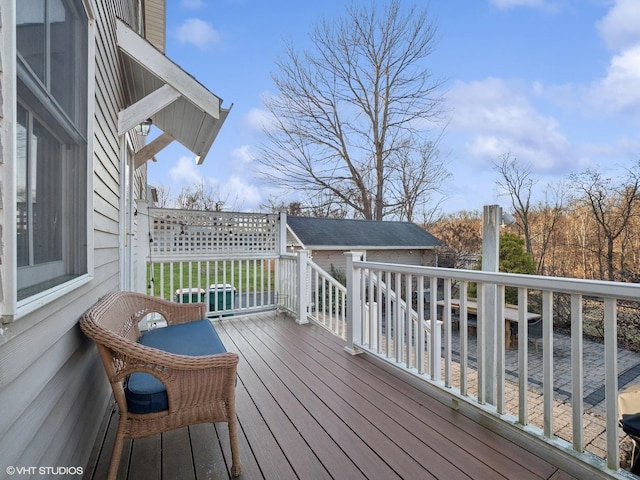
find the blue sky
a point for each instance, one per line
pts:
(554, 83)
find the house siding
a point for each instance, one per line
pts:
(53, 391)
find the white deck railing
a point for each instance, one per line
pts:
(229, 260)
(485, 386)
(227, 286)
(371, 314)
(326, 298)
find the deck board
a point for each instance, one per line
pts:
(461, 431)
(208, 459)
(269, 421)
(398, 422)
(335, 397)
(308, 410)
(305, 388)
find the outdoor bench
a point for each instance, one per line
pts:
(169, 377)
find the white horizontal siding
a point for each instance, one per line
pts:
(53, 390)
(326, 258)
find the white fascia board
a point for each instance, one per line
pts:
(170, 73)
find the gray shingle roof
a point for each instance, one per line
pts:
(333, 233)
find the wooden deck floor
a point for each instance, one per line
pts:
(308, 410)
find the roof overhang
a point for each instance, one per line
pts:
(157, 88)
(296, 239)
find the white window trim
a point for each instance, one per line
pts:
(10, 308)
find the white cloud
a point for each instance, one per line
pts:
(619, 90)
(241, 195)
(242, 155)
(185, 172)
(620, 27)
(500, 119)
(198, 32)
(237, 193)
(258, 119)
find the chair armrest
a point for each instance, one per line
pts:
(175, 313)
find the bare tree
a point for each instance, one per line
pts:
(461, 237)
(198, 197)
(346, 110)
(612, 207)
(517, 182)
(545, 223)
(164, 196)
(309, 207)
(417, 181)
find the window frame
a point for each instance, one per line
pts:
(10, 308)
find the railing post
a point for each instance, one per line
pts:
(282, 234)
(491, 220)
(354, 320)
(281, 250)
(143, 246)
(303, 287)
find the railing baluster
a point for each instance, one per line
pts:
(577, 373)
(397, 323)
(611, 380)
(481, 345)
(389, 314)
(547, 362)
(257, 269)
(523, 358)
(408, 321)
(500, 348)
(242, 291)
(324, 304)
(379, 317)
(162, 286)
(364, 305)
(464, 334)
(446, 318)
(233, 277)
(420, 350)
(434, 334)
(373, 313)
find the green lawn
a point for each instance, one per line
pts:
(243, 275)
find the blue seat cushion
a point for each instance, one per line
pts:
(144, 392)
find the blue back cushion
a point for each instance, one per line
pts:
(144, 392)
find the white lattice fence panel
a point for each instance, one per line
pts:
(187, 233)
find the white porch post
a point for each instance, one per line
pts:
(491, 220)
(143, 246)
(282, 234)
(282, 249)
(303, 287)
(354, 320)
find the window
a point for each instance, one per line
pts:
(51, 139)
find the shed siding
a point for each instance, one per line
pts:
(53, 390)
(327, 258)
